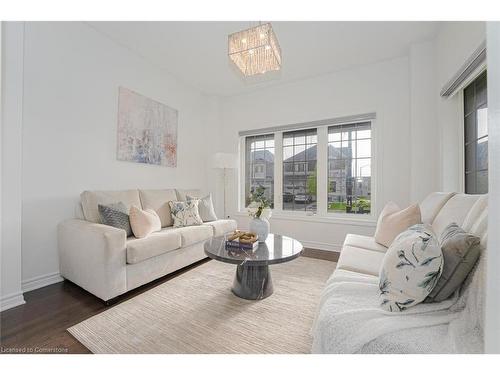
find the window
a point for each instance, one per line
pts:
(299, 170)
(349, 168)
(259, 165)
(476, 136)
(323, 168)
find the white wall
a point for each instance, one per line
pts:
(424, 129)
(492, 327)
(455, 42)
(383, 88)
(11, 157)
(71, 79)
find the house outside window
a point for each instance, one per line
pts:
(259, 165)
(343, 175)
(349, 168)
(299, 170)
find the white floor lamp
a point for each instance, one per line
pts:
(225, 161)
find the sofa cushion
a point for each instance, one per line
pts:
(183, 193)
(454, 211)
(221, 227)
(151, 269)
(475, 212)
(91, 199)
(364, 242)
(139, 249)
(360, 260)
(158, 200)
(411, 268)
(432, 204)
(340, 275)
(393, 221)
(194, 234)
(480, 227)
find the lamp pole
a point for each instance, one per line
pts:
(225, 193)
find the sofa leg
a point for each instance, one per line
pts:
(111, 301)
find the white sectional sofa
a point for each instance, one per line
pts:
(103, 261)
(349, 319)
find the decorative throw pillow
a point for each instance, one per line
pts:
(115, 215)
(411, 268)
(205, 207)
(461, 251)
(185, 213)
(144, 222)
(393, 221)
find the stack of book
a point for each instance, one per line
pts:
(240, 240)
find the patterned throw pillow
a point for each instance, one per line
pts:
(205, 207)
(411, 268)
(115, 215)
(185, 213)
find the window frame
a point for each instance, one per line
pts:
(303, 163)
(321, 214)
(459, 94)
(353, 127)
(461, 97)
(244, 165)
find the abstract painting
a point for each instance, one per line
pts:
(147, 130)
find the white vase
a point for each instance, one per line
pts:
(260, 227)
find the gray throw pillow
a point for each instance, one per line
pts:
(461, 250)
(205, 207)
(115, 215)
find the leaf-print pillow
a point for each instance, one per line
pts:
(185, 213)
(411, 268)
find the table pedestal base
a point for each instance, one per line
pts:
(252, 282)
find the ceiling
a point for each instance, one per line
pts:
(196, 52)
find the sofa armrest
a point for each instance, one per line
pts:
(93, 256)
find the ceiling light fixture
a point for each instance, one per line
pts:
(255, 50)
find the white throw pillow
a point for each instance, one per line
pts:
(205, 207)
(411, 268)
(144, 222)
(393, 221)
(185, 213)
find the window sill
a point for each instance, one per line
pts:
(369, 221)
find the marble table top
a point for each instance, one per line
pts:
(276, 249)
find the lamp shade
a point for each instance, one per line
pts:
(222, 160)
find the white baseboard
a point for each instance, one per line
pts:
(41, 281)
(322, 246)
(11, 300)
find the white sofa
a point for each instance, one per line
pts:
(349, 319)
(103, 261)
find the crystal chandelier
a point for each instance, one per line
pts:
(255, 50)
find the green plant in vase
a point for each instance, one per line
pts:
(260, 210)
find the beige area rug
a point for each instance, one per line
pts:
(196, 312)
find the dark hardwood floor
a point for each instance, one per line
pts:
(39, 326)
(332, 256)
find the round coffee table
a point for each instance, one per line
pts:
(253, 276)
